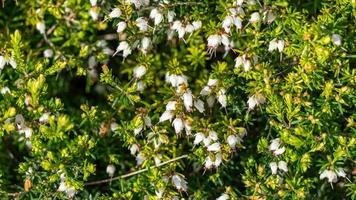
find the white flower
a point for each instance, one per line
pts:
(340, 172)
(222, 97)
(199, 105)
(179, 182)
(274, 167)
(140, 158)
(138, 129)
(27, 131)
(177, 80)
(270, 16)
(283, 166)
(156, 15)
(108, 51)
(242, 60)
(189, 28)
(215, 147)
(178, 125)
(41, 27)
(114, 126)
(70, 192)
(126, 52)
(224, 196)
(197, 25)
(140, 86)
(208, 163)
(181, 31)
(207, 141)
(44, 118)
(5, 90)
(176, 25)
(147, 120)
(213, 42)
(110, 170)
(279, 151)
(145, 44)
(330, 175)
(142, 24)
(274, 44)
(123, 46)
(188, 127)
(255, 17)
(159, 193)
(336, 39)
(210, 101)
(255, 100)
(274, 144)
(218, 160)
(239, 2)
(225, 40)
(170, 16)
(188, 100)
(171, 105)
(199, 137)
(116, 12)
(48, 53)
(139, 71)
(205, 91)
(227, 22)
(213, 135)
(238, 22)
(232, 141)
(134, 149)
(167, 115)
(2, 62)
(93, 2)
(94, 13)
(62, 187)
(212, 82)
(121, 26)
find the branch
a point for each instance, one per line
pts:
(136, 172)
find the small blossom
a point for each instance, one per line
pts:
(140, 86)
(274, 44)
(93, 12)
(330, 175)
(121, 26)
(41, 27)
(134, 149)
(157, 16)
(48, 53)
(145, 44)
(208, 163)
(199, 137)
(232, 141)
(197, 25)
(213, 42)
(178, 125)
(255, 100)
(340, 172)
(115, 13)
(170, 16)
(199, 105)
(171, 105)
(140, 158)
(44, 118)
(188, 100)
(215, 147)
(142, 24)
(255, 17)
(205, 91)
(139, 71)
(283, 166)
(336, 39)
(222, 97)
(224, 196)
(227, 22)
(218, 160)
(93, 2)
(5, 90)
(211, 101)
(167, 115)
(242, 60)
(138, 129)
(179, 182)
(270, 16)
(110, 170)
(274, 167)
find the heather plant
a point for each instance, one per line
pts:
(151, 99)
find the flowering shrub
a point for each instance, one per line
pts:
(140, 99)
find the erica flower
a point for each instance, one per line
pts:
(48, 53)
(178, 125)
(6, 60)
(139, 71)
(170, 16)
(188, 100)
(121, 26)
(197, 25)
(275, 146)
(179, 182)
(224, 196)
(145, 44)
(41, 27)
(199, 137)
(213, 42)
(140, 158)
(215, 147)
(110, 170)
(142, 24)
(255, 100)
(134, 149)
(274, 44)
(199, 105)
(156, 16)
(255, 17)
(167, 115)
(125, 48)
(5, 90)
(336, 39)
(222, 97)
(232, 140)
(94, 14)
(44, 118)
(282, 165)
(330, 175)
(115, 13)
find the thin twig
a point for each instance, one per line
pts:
(135, 172)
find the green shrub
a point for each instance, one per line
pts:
(139, 99)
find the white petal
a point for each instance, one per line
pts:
(110, 170)
(139, 71)
(279, 151)
(213, 135)
(274, 144)
(134, 149)
(214, 147)
(188, 100)
(340, 172)
(222, 98)
(2, 62)
(283, 166)
(274, 167)
(198, 138)
(199, 105)
(336, 39)
(223, 197)
(218, 160)
(208, 163)
(121, 26)
(171, 105)
(116, 12)
(211, 101)
(205, 91)
(178, 125)
(232, 140)
(167, 115)
(280, 45)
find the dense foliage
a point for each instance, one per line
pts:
(140, 99)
